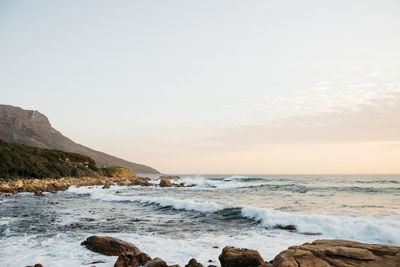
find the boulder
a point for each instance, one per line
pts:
(18, 183)
(106, 186)
(194, 263)
(129, 259)
(338, 253)
(109, 246)
(36, 265)
(157, 262)
(165, 183)
(238, 257)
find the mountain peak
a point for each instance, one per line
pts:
(32, 128)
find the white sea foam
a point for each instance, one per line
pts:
(65, 249)
(362, 228)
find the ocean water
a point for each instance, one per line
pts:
(177, 224)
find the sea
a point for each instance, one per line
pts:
(180, 223)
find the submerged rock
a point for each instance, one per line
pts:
(109, 246)
(165, 183)
(129, 259)
(194, 263)
(36, 265)
(239, 257)
(157, 262)
(338, 253)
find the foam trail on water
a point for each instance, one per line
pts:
(362, 228)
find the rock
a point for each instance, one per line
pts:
(109, 246)
(118, 192)
(194, 263)
(165, 183)
(338, 253)
(175, 265)
(18, 183)
(38, 194)
(36, 265)
(157, 262)
(289, 227)
(170, 177)
(124, 183)
(106, 186)
(129, 259)
(238, 257)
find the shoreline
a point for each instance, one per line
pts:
(53, 185)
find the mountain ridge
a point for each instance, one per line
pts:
(33, 128)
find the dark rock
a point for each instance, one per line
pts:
(238, 257)
(338, 253)
(157, 262)
(289, 227)
(109, 246)
(194, 263)
(118, 192)
(38, 194)
(165, 183)
(129, 259)
(36, 265)
(106, 186)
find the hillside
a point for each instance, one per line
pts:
(17, 160)
(34, 129)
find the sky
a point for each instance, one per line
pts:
(213, 86)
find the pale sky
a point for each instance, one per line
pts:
(213, 86)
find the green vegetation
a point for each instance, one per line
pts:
(21, 161)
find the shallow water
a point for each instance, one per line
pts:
(177, 224)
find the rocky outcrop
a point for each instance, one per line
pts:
(194, 263)
(61, 184)
(165, 183)
(109, 246)
(238, 257)
(129, 259)
(339, 253)
(32, 128)
(157, 262)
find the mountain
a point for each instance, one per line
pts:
(32, 128)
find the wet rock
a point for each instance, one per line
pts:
(194, 263)
(238, 257)
(165, 183)
(38, 194)
(338, 253)
(157, 262)
(109, 246)
(36, 265)
(118, 192)
(106, 186)
(289, 227)
(175, 265)
(129, 259)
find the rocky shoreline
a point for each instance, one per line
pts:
(52, 185)
(320, 253)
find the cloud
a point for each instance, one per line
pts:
(377, 120)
